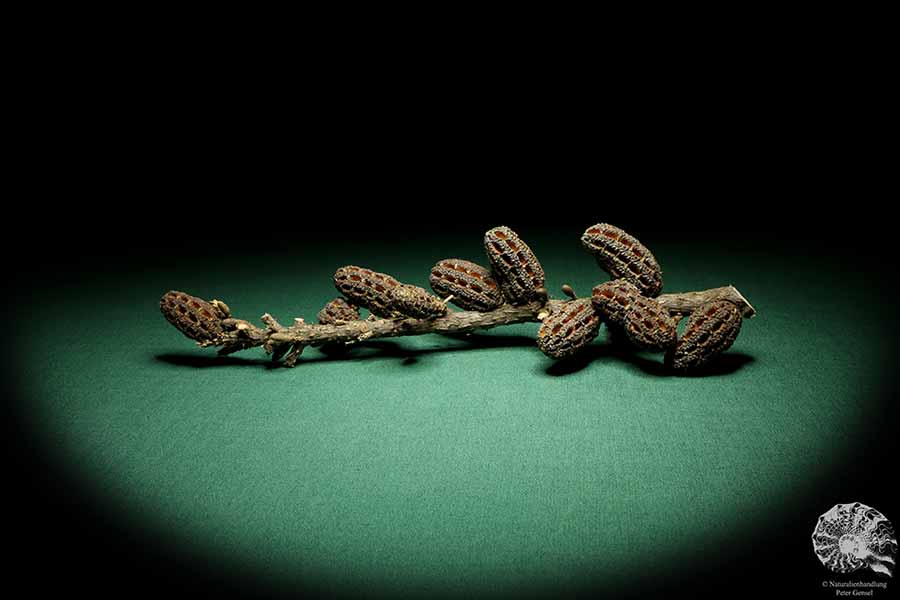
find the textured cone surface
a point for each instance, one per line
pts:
(649, 326)
(624, 257)
(334, 313)
(613, 299)
(194, 317)
(472, 286)
(710, 331)
(515, 266)
(338, 311)
(416, 302)
(569, 329)
(366, 288)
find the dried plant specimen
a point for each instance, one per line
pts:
(472, 286)
(338, 312)
(648, 325)
(624, 257)
(613, 299)
(196, 318)
(366, 288)
(416, 302)
(518, 270)
(568, 329)
(516, 276)
(711, 330)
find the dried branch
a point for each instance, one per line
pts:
(629, 303)
(687, 302)
(289, 342)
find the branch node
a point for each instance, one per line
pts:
(271, 323)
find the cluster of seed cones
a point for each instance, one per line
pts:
(626, 304)
(515, 277)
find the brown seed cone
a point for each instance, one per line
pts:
(338, 311)
(613, 299)
(194, 317)
(711, 330)
(472, 286)
(416, 302)
(624, 257)
(516, 268)
(649, 326)
(568, 329)
(366, 288)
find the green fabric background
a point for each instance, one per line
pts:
(435, 465)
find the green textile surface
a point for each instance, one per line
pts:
(433, 464)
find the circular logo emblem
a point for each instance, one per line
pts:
(854, 536)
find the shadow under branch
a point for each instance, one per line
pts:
(725, 364)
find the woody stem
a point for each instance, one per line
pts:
(277, 338)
